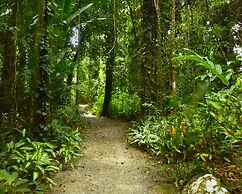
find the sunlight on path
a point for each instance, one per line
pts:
(110, 165)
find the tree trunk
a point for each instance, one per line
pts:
(160, 75)
(21, 62)
(8, 81)
(110, 40)
(173, 36)
(149, 64)
(78, 54)
(41, 101)
(135, 66)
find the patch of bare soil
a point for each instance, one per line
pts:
(110, 165)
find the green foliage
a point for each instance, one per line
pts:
(182, 172)
(68, 142)
(11, 183)
(32, 164)
(77, 13)
(211, 28)
(70, 115)
(35, 163)
(32, 160)
(123, 105)
(208, 132)
(97, 105)
(205, 62)
(195, 129)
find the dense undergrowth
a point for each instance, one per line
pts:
(28, 164)
(123, 105)
(197, 137)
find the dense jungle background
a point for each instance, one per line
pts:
(173, 68)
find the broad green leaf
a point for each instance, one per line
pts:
(35, 175)
(3, 175)
(51, 180)
(12, 177)
(205, 62)
(27, 165)
(77, 13)
(20, 182)
(41, 169)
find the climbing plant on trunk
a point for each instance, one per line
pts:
(151, 69)
(42, 72)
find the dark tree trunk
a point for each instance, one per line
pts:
(110, 40)
(149, 64)
(41, 101)
(135, 66)
(8, 75)
(21, 62)
(109, 83)
(7, 83)
(69, 84)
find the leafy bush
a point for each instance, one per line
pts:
(67, 140)
(181, 173)
(31, 160)
(208, 132)
(33, 163)
(123, 105)
(208, 127)
(30, 164)
(70, 116)
(98, 105)
(11, 183)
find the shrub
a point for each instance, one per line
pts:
(208, 132)
(11, 183)
(30, 164)
(123, 105)
(31, 160)
(70, 116)
(68, 142)
(97, 106)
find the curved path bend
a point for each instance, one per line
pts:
(110, 165)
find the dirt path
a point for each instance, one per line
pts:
(110, 165)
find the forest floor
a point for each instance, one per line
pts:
(110, 165)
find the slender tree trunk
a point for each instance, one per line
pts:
(160, 75)
(110, 40)
(68, 89)
(21, 80)
(21, 100)
(78, 54)
(173, 36)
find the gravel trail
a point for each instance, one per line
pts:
(110, 165)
